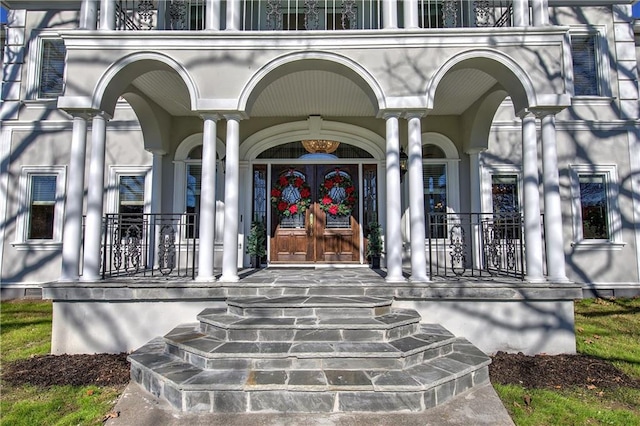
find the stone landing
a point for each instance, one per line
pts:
(308, 354)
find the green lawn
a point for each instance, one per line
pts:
(607, 329)
(25, 330)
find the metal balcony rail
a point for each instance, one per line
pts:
(149, 244)
(308, 15)
(464, 13)
(475, 245)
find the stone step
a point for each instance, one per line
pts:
(225, 326)
(309, 306)
(190, 344)
(190, 388)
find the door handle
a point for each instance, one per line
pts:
(311, 224)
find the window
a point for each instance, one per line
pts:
(131, 205)
(595, 210)
(504, 195)
(129, 191)
(42, 205)
(584, 52)
(39, 224)
(131, 195)
(192, 201)
(52, 64)
(593, 205)
(439, 182)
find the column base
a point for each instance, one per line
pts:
(399, 279)
(559, 280)
(68, 279)
(419, 279)
(229, 278)
(90, 278)
(535, 279)
(206, 279)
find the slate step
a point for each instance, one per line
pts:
(190, 344)
(422, 386)
(309, 306)
(393, 324)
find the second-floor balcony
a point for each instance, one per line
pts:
(305, 15)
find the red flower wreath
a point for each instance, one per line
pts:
(290, 194)
(338, 194)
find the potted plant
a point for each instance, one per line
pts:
(257, 243)
(374, 244)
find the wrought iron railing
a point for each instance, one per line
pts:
(463, 13)
(149, 244)
(304, 15)
(475, 244)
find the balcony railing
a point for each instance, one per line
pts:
(475, 245)
(459, 245)
(306, 15)
(149, 244)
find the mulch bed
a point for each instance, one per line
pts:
(540, 371)
(75, 370)
(557, 371)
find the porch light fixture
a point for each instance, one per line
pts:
(315, 146)
(404, 159)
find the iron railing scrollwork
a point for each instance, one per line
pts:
(149, 244)
(475, 244)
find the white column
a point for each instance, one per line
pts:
(233, 15)
(156, 206)
(475, 191)
(212, 17)
(390, 14)
(208, 199)
(107, 14)
(231, 189)
(532, 227)
(411, 14)
(95, 200)
(416, 200)
(393, 228)
(72, 228)
(552, 204)
(520, 13)
(540, 12)
(89, 15)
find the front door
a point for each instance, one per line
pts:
(315, 214)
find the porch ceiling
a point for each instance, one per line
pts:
(459, 89)
(317, 93)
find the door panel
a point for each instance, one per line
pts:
(315, 235)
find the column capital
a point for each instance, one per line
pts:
(390, 114)
(237, 116)
(85, 114)
(211, 116)
(544, 112)
(525, 113)
(475, 151)
(414, 114)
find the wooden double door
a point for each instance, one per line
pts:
(315, 235)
